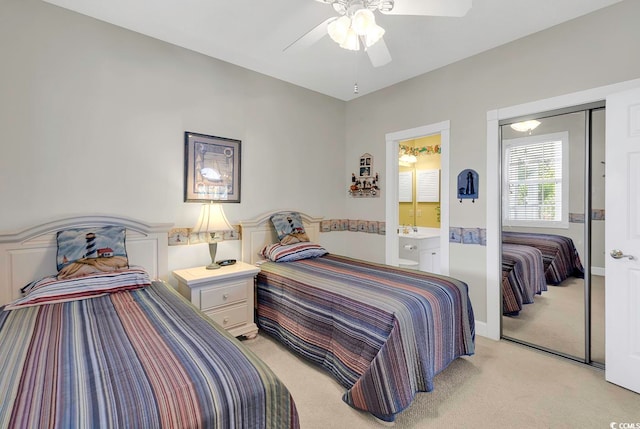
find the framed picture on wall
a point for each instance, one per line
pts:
(212, 168)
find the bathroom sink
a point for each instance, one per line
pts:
(423, 233)
(416, 235)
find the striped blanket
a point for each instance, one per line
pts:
(132, 359)
(381, 331)
(522, 277)
(559, 254)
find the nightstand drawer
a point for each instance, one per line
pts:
(225, 295)
(229, 317)
(234, 291)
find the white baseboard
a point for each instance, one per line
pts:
(597, 271)
(481, 328)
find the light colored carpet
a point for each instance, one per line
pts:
(556, 319)
(504, 385)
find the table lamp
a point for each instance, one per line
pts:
(211, 221)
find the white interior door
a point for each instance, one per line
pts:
(622, 226)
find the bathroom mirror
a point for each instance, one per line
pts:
(419, 182)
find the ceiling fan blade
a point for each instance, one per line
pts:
(431, 7)
(379, 54)
(311, 37)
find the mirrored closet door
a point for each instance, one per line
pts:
(553, 232)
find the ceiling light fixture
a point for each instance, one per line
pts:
(525, 126)
(408, 159)
(357, 25)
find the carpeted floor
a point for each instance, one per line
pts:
(556, 319)
(504, 385)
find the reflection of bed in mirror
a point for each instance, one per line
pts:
(522, 277)
(382, 332)
(559, 254)
(120, 349)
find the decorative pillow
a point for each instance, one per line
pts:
(289, 227)
(292, 252)
(85, 251)
(50, 290)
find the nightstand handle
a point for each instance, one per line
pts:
(225, 321)
(225, 296)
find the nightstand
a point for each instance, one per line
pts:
(226, 295)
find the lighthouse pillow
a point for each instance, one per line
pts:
(84, 251)
(289, 228)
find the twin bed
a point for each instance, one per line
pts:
(380, 331)
(106, 351)
(120, 349)
(531, 261)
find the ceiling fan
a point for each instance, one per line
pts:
(355, 24)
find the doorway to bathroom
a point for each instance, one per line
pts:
(422, 139)
(419, 203)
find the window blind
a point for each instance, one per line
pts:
(534, 181)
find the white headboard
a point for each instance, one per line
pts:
(258, 232)
(31, 254)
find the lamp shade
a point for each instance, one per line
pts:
(212, 219)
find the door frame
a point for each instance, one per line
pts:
(494, 165)
(392, 170)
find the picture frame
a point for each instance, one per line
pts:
(212, 168)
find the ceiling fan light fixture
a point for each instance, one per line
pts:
(384, 6)
(374, 34)
(363, 21)
(352, 41)
(340, 6)
(338, 29)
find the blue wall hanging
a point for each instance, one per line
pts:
(468, 185)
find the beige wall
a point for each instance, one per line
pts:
(591, 51)
(92, 119)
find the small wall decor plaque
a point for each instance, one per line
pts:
(468, 185)
(365, 183)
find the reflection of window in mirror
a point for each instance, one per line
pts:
(415, 155)
(533, 185)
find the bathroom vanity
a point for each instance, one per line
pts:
(421, 247)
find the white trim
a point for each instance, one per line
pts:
(391, 186)
(259, 232)
(481, 329)
(83, 221)
(493, 182)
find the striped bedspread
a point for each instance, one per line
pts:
(522, 276)
(561, 259)
(382, 332)
(136, 359)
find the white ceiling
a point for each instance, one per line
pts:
(253, 34)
